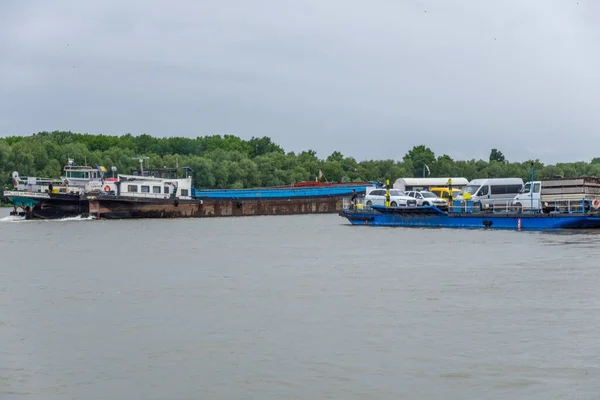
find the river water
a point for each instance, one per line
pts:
(302, 307)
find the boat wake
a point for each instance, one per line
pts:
(77, 218)
(14, 218)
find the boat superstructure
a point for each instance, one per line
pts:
(47, 198)
(148, 187)
(76, 177)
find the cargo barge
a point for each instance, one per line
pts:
(160, 194)
(123, 207)
(136, 196)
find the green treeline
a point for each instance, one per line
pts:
(230, 162)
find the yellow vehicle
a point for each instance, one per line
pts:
(444, 192)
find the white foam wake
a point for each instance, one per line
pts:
(77, 218)
(16, 218)
(12, 218)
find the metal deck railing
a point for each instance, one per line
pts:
(560, 205)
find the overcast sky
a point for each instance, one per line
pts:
(370, 79)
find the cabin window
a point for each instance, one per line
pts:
(145, 189)
(166, 190)
(132, 188)
(536, 188)
(484, 191)
(77, 174)
(155, 189)
(185, 192)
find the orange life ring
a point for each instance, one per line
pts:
(596, 204)
(106, 188)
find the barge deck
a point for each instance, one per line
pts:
(432, 217)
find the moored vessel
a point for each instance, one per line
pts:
(463, 214)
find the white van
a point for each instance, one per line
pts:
(493, 192)
(522, 201)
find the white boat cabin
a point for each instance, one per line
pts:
(147, 186)
(73, 180)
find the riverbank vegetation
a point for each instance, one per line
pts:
(227, 161)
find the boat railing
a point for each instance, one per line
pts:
(559, 205)
(39, 185)
(42, 188)
(144, 195)
(138, 194)
(570, 205)
(497, 205)
(358, 204)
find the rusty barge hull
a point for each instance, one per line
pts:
(118, 207)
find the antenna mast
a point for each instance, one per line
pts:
(141, 160)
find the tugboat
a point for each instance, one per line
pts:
(46, 198)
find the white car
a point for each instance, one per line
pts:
(397, 198)
(425, 198)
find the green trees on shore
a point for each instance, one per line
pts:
(230, 162)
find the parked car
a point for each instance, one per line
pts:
(444, 192)
(426, 198)
(397, 198)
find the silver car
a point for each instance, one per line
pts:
(397, 198)
(425, 198)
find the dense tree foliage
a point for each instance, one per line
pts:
(496, 155)
(230, 162)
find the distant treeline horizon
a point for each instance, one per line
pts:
(227, 161)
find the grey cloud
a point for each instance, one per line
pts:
(368, 79)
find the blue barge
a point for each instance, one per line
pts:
(285, 192)
(432, 217)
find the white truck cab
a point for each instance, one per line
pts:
(528, 199)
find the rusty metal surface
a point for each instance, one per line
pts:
(122, 207)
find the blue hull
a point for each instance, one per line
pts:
(272, 193)
(431, 217)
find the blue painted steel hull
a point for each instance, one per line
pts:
(434, 218)
(270, 193)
